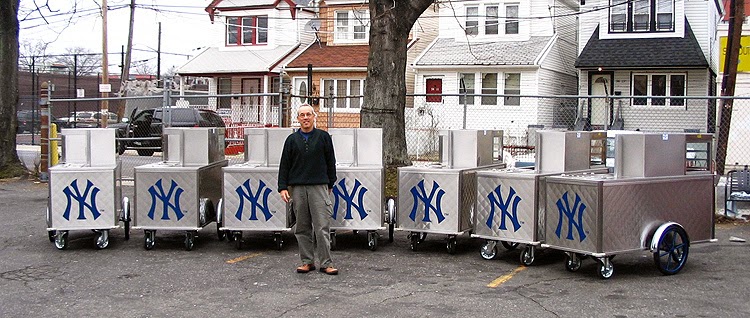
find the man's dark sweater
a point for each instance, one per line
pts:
(308, 161)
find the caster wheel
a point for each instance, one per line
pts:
(237, 238)
(672, 250)
(572, 262)
(221, 234)
(102, 240)
(414, 241)
(278, 241)
(489, 250)
(605, 268)
(527, 255)
(451, 245)
(61, 240)
(148, 239)
(372, 240)
(509, 245)
(51, 236)
(189, 240)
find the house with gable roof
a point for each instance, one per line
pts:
(659, 49)
(497, 47)
(254, 39)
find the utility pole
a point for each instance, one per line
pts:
(736, 18)
(125, 74)
(158, 55)
(105, 70)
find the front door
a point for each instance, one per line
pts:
(600, 85)
(434, 86)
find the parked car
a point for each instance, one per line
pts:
(84, 119)
(28, 121)
(148, 124)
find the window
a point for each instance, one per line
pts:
(472, 20)
(490, 20)
(347, 93)
(512, 87)
(511, 19)
(466, 86)
(352, 25)
(247, 30)
(656, 85)
(275, 89)
(224, 87)
(489, 87)
(641, 15)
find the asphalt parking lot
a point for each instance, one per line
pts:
(215, 279)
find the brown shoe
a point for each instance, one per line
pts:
(329, 270)
(305, 268)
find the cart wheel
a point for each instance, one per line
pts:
(414, 240)
(527, 255)
(221, 234)
(509, 245)
(333, 240)
(102, 240)
(237, 238)
(422, 237)
(61, 240)
(572, 261)
(605, 269)
(51, 235)
(451, 245)
(489, 250)
(219, 220)
(189, 240)
(148, 239)
(672, 249)
(126, 216)
(390, 232)
(278, 240)
(372, 240)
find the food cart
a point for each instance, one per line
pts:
(440, 198)
(250, 200)
(659, 199)
(85, 188)
(179, 192)
(510, 202)
(358, 194)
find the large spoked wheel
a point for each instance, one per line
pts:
(61, 240)
(391, 209)
(451, 244)
(672, 249)
(527, 255)
(102, 240)
(237, 238)
(189, 240)
(489, 250)
(572, 261)
(220, 220)
(372, 240)
(149, 237)
(510, 245)
(278, 241)
(125, 217)
(605, 269)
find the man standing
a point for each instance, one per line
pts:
(307, 173)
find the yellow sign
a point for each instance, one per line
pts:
(743, 65)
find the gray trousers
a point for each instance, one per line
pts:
(313, 209)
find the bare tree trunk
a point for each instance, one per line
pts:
(10, 166)
(385, 88)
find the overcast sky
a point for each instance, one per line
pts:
(185, 28)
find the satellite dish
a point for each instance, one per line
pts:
(313, 25)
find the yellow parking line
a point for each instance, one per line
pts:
(502, 279)
(242, 258)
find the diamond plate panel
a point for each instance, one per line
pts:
(185, 178)
(234, 184)
(556, 218)
(524, 188)
(76, 181)
(446, 180)
(347, 214)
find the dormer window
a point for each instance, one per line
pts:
(352, 25)
(641, 16)
(251, 30)
(482, 20)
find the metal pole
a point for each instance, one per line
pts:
(44, 106)
(166, 102)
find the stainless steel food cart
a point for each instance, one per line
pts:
(250, 201)
(440, 198)
(655, 201)
(85, 188)
(510, 202)
(358, 194)
(179, 193)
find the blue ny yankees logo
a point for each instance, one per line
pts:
(496, 199)
(169, 200)
(420, 194)
(73, 193)
(245, 192)
(574, 216)
(341, 191)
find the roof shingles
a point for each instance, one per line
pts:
(323, 55)
(446, 51)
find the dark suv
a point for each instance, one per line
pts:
(148, 124)
(28, 121)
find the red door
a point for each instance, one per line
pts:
(434, 86)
